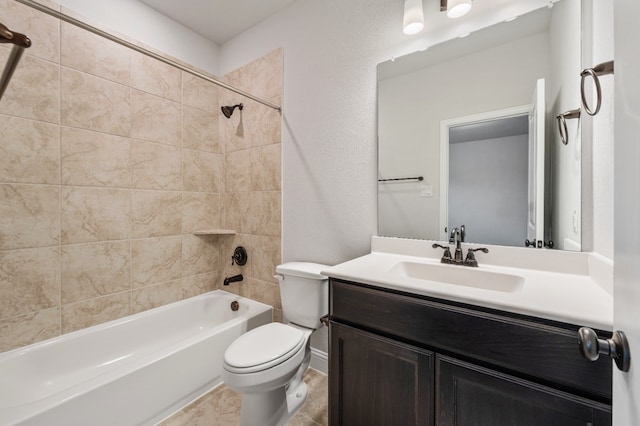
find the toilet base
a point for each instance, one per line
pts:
(272, 408)
(275, 407)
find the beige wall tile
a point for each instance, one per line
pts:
(155, 77)
(155, 260)
(94, 159)
(262, 125)
(30, 152)
(155, 166)
(261, 77)
(265, 257)
(200, 254)
(29, 216)
(42, 29)
(92, 270)
(237, 209)
(94, 214)
(157, 295)
(199, 93)
(93, 103)
(199, 284)
(34, 90)
(277, 315)
(27, 329)
(266, 169)
(90, 53)
(265, 218)
(265, 292)
(238, 171)
(29, 280)
(201, 210)
(95, 311)
(202, 171)
(156, 119)
(200, 130)
(156, 213)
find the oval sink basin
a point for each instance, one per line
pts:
(459, 275)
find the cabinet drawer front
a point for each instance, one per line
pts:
(471, 395)
(548, 353)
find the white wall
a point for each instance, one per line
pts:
(412, 106)
(563, 94)
(488, 189)
(603, 132)
(140, 22)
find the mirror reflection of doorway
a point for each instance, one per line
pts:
(488, 180)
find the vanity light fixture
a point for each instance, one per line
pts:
(413, 21)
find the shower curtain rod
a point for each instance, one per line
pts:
(125, 43)
(20, 42)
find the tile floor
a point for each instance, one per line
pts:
(221, 407)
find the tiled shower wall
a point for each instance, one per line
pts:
(109, 161)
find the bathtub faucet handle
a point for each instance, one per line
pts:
(239, 256)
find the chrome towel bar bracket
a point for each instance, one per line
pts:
(604, 68)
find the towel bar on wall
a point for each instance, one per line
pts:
(418, 178)
(20, 42)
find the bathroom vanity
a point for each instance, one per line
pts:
(402, 352)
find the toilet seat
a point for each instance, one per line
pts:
(263, 348)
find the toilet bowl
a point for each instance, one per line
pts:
(266, 365)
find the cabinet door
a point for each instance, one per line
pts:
(469, 395)
(377, 381)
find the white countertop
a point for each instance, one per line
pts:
(563, 286)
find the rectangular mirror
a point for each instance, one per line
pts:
(468, 135)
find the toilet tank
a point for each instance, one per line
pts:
(304, 292)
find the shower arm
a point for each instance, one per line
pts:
(66, 18)
(20, 42)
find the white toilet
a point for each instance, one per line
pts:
(266, 364)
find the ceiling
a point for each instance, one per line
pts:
(218, 20)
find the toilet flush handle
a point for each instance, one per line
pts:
(279, 277)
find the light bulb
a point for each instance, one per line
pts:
(413, 21)
(458, 8)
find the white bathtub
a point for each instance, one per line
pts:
(135, 370)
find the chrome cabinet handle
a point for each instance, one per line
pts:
(562, 123)
(617, 347)
(604, 68)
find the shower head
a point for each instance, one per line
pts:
(228, 110)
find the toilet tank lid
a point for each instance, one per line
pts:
(302, 269)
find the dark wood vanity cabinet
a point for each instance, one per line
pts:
(400, 359)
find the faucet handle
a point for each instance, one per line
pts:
(446, 256)
(471, 258)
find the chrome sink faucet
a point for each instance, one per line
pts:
(456, 237)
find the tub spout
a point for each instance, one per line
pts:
(233, 279)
